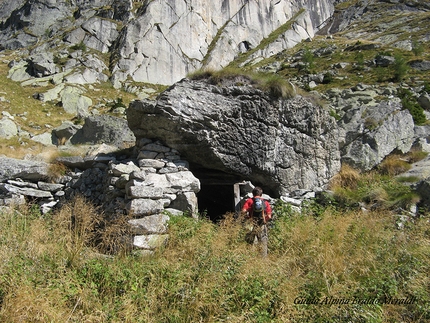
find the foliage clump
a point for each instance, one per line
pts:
(409, 102)
(274, 84)
(377, 189)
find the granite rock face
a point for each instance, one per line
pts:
(157, 41)
(242, 132)
(104, 129)
(370, 133)
(173, 38)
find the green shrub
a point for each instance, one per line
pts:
(308, 59)
(426, 88)
(410, 103)
(375, 188)
(81, 46)
(335, 115)
(381, 74)
(417, 48)
(400, 67)
(118, 103)
(359, 58)
(328, 78)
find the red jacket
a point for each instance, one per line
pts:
(248, 207)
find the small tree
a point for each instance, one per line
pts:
(417, 48)
(380, 73)
(308, 58)
(359, 57)
(400, 68)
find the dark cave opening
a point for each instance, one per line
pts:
(221, 192)
(217, 194)
(215, 200)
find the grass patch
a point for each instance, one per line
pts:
(408, 179)
(394, 165)
(347, 177)
(19, 147)
(415, 155)
(374, 189)
(275, 85)
(207, 273)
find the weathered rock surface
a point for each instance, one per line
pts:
(153, 224)
(211, 34)
(369, 134)
(104, 129)
(283, 144)
(423, 189)
(11, 168)
(8, 128)
(156, 41)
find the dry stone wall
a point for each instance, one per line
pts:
(150, 188)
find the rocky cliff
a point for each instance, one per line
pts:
(161, 41)
(173, 38)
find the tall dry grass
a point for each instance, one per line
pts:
(376, 189)
(347, 177)
(394, 165)
(52, 270)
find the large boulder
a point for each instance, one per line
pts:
(237, 132)
(370, 133)
(42, 64)
(8, 128)
(104, 129)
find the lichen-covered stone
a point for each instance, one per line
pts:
(284, 144)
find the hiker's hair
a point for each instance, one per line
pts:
(257, 191)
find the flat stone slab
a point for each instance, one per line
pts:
(153, 224)
(25, 191)
(151, 242)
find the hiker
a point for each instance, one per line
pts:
(259, 212)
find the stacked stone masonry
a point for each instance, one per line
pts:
(150, 187)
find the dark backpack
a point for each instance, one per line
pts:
(258, 207)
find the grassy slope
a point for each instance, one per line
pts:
(400, 26)
(38, 117)
(207, 273)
